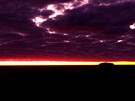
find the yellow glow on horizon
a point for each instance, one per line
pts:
(41, 63)
(124, 63)
(53, 63)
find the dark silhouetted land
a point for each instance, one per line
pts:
(103, 71)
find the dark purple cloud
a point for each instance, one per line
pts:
(99, 30)
(113, 19)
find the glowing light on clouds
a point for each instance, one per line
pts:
(132, 26)
(58, 10)
(50, 31)
(38, 20)
(55, 10)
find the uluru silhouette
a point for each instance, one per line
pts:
(106, 66)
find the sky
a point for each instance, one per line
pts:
(82, 30)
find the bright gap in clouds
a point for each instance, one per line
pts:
(58, 10)
(38, 20)
(132, 26)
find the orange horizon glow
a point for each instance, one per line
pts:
(53, 63)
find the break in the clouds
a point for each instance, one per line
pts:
(113, 19)
(68, 29)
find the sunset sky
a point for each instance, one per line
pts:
(67, 30)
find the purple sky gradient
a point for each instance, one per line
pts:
(94, 30)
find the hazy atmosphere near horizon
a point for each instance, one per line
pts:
(67, 29)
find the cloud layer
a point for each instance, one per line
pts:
(88, 29)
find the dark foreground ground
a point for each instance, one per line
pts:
(99, 72)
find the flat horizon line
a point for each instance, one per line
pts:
(58, 63)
